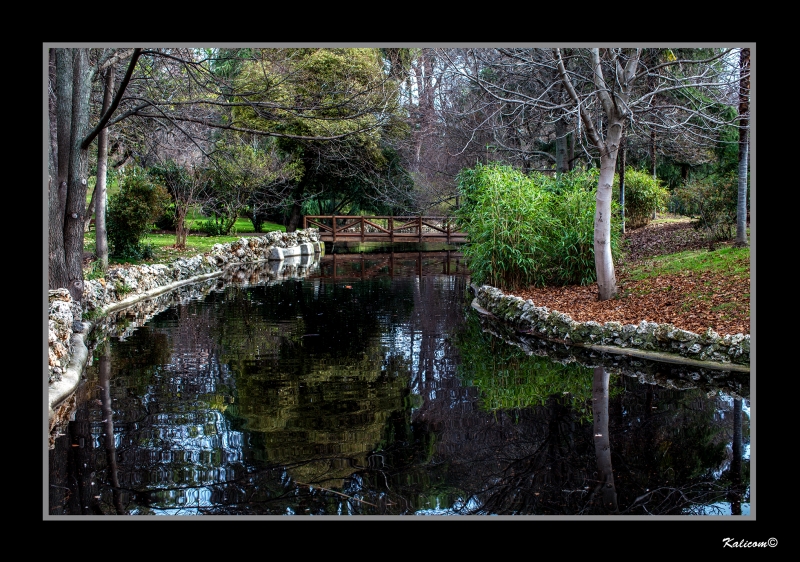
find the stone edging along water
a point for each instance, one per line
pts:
(647, 339)
(125, 288)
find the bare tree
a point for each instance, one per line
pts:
(614, 100)
(99, 194)
(607, 91)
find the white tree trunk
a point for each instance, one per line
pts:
(101, 234)
(603, 260)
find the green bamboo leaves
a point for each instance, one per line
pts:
(529, 229)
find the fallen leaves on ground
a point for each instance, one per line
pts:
(690, 301)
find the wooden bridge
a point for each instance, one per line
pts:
(338, 228)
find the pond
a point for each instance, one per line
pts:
(370, 386)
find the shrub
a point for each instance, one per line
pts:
(215, 228)
(585, 180)
(713, 200)
(529, 229)
(643, 195)
(131, 213)
(571, 244)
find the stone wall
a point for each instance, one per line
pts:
(647, 367)
(530, 319)
(125, 286)
(61, 325)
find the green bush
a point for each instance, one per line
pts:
(585, 180)
(643, 195)
(131, 213)
(529, 229)
(713, 200)
(216, 228)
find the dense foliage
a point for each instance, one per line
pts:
(529, 229)
(251, 178)
(338, 140)
(131, 213)
(713, 200)
(643, 195)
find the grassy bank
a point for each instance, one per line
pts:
(163, 243)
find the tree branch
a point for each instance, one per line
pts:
(104, 119)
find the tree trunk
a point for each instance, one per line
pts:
(70, 148)
(297, 207)
(653, 158)
(744, 146)
(562, 156)
(571, 159)
(60, 111)
(100, 189)
(181, 230)
(603, 259)
(77, 174)
(87, 215)
(615, 119)
(622, 181)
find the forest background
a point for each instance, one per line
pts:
(277, 133)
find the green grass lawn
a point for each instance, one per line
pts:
(728, 259)
(242, 225)
(196, 243)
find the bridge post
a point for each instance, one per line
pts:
(391, 231)
(362, 229)
(419, 222)
(333, 226)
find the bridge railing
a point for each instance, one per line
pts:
(334, 228)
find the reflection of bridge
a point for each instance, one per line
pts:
(335, 228)
(400, 264)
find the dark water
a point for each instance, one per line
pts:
(372, 388)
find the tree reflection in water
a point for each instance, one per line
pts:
(381, 396)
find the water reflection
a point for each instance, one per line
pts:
(644, 450)
(602, 443)
(381, 392)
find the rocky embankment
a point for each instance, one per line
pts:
(139, 292)
(648, 338)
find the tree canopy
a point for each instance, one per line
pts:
(290, 129)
